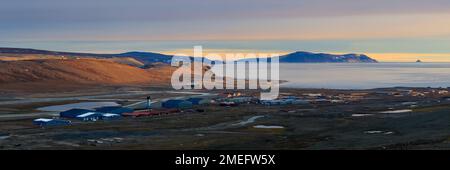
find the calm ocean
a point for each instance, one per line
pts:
(365, 75)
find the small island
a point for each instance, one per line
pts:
(308, 57)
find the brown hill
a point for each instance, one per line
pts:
(18, 57)
(61, 72)
(140, 58)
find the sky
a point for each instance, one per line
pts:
(388, 30)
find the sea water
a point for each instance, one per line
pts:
(365, 75)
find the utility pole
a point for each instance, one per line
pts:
(149, 103)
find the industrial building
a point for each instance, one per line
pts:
(177, 104)
(110, 116)
(51, 122)
(73, 113)
(151, 112)
(114, 109)
(199, 101)
(103, 113)
(90, 116)
(195, 101)
(243, 99)
(282, 102)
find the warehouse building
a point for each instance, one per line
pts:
(115, 110)
(90, 116)
(110, 116)
(195, 101)
(177, 104)
(199, 101)
(243, 99)
(153, 112)
(283, 102)
(51, 122)
(73, 113)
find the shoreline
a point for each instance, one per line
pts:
(369, 89)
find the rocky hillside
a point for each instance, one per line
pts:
(79, 71)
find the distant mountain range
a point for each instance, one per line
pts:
(147, 58)
(144, 57)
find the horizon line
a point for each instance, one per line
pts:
(380, 57)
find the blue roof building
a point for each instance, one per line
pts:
(241, 99)
(195, 101)
(90, 116)
(282, 102)
(73, 113)
(51, 122)
(177, 104)
(115, 110)
(110, 116)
